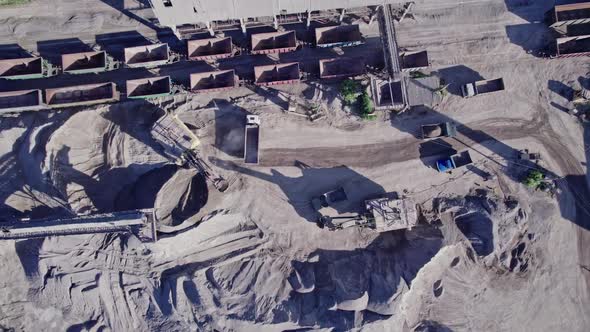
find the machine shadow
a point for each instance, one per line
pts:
(313, 182)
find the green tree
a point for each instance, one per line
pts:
(534, 179)
(366, 104)
(349, 91)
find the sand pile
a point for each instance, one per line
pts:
(111, 149)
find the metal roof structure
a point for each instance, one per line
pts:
(576, 13)
(178, 12)
(422, 91)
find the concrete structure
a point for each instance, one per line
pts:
(342, 35)
(573, 46)
(141, 223)
(82, 63)
(24, 68)
(211, 14)
(209, 49)
(213, 81)
(152, 87)
(388, 95)
(576, 13)
(80, 95)
(386, 214)
(413, 61)
(341, 67)
(422, 91)
(20, 101)
(283, 73)
(274, 42)
(147, 56)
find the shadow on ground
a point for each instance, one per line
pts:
(299, 190)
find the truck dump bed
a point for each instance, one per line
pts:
(387, 95)
(489, 85)
(81, 95)
(283, 73)
(147, 56)
(341, 67)
(342, 35)
(411, 61)
(22, 68)
(209, 49)
(213, 81)
(86, 62)
(19, 101)
(462, 159)
(274, 42)
(152, 87)
(446, 129)
(573, 46)
(251, 149)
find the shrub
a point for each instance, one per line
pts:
(349, 90)
(366, 104)
(534, 179)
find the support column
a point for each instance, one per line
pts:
(243, 25)
(308, 21)
(210, 29)
(374, 14)
(342, 14)
(275, 22)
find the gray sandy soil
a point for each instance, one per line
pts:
(488, 255)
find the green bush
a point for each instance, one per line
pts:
(13, 2)
(349, 90)
(417, 74)
(534, 179)
(366, 104)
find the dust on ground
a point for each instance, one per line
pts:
(488, 254)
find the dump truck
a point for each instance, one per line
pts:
(251, 139)
(26, 68)
(87, 62)
(444, 129)
(455, 161)
(481, 87)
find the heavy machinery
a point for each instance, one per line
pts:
(385, 213)
(444, 129)
(180, 145)
(481, 87)
(454, 161)
(251, 139)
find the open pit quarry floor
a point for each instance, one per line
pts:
(487, 255)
